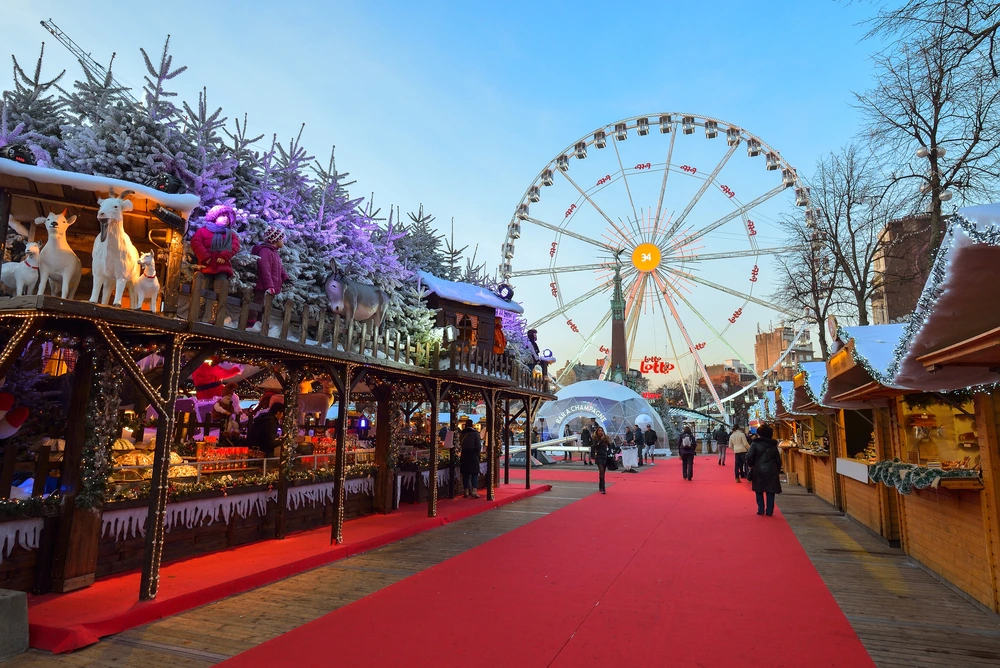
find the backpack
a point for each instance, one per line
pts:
(687, 442)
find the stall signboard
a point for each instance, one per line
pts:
(581, 407)
(651, 396)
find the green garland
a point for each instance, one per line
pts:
(102, 429)
(35, 506)
(907, 477)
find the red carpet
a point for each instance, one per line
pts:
(64, 622)
(659, 572)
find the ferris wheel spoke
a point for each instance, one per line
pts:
(568, 233)
(691, 345)
(635, 213)
(633, 312)
(570, 304)
(592, 203)
(559, 270)
(710, 180)
(663, 184)
(589, 341)
(739, 211)
(673, 349)
(712, 329)
(731, 291)
(753, 252)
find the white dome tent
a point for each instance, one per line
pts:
(611, 404)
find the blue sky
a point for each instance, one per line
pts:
(458, 105)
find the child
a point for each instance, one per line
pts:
(270, 272)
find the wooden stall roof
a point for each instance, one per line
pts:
(466, 293)
(806, 399)
(850, 384)
(977, 351)
(60, 187)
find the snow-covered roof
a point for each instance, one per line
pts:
(815, 387)
(958, 302)
(466, 293)
(874, 346)
(786, 390)
(98, 184)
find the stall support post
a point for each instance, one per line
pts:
(173, 359)
(18, 341)
(988, 428)
(289, 434)
(75, 561)
(383, 434)
(453, 426)
(6, 201)
(342, 381)
(492, 433)
(173, 275)
(529, 419)
(506, 441)
(432, 490)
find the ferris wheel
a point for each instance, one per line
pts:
(666, 201)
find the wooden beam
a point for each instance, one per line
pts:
(982, 351)
(988, 428)
(6, 201)
(152, 555)
(433, 485)
(120, 353)
(342, 380)
(18, 342)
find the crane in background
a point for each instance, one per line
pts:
(94, 68)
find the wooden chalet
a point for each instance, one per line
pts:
(71, 544)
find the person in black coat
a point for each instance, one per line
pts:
(471, 445)
(650, 438)
(601, 448)
(764, 460)
(721, 437)
(587, 441)
(263, 433)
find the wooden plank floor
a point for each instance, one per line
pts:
(902, 614)
(210, 634)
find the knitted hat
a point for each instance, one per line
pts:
(273, 235)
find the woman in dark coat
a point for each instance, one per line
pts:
(472, 445)
(600, 447)
(764, 460)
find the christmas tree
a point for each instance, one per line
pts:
(33, 113)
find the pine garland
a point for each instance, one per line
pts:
(35, 506)
(102, 427)
(907, 477)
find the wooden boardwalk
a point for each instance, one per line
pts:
(210, 634)
(903, 614)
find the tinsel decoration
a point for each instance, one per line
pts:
(102, 429)
(906, 477)
(397, 437)
(290, 426)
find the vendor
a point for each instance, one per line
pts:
(263, 434)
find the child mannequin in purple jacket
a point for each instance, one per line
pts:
(270, 272)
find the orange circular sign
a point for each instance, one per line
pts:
(646, 257)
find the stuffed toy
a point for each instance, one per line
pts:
(11, 418)
(216, 243)
(210, 380)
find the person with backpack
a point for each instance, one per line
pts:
(686, 445)
(739, 443)
(764, 466)
(649, 439)
(722, 440)
(601, 449)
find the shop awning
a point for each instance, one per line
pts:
(810, 387)
(858, 373)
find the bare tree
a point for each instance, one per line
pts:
(854, 205)
(806, 278)
(934, 116)
(970, 25)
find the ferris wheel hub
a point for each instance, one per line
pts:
(646, 257)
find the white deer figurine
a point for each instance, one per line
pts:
(148, 285)
(22, 277)
(115, 258)
(57, 263)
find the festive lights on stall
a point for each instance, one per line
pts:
(102, 429)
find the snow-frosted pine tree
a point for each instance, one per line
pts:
(34, 108)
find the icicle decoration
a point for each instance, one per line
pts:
(19, 532)
(131, 523)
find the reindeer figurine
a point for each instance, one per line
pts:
(148, 285)
(115, 258)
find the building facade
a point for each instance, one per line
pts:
(770, 346)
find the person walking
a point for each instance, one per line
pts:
(587, 441)
(472, 445)
(630, 441)
(740, 445)
(722, 440)
(649, 440)
(764, 463)
(601, 447)
(686, 445)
